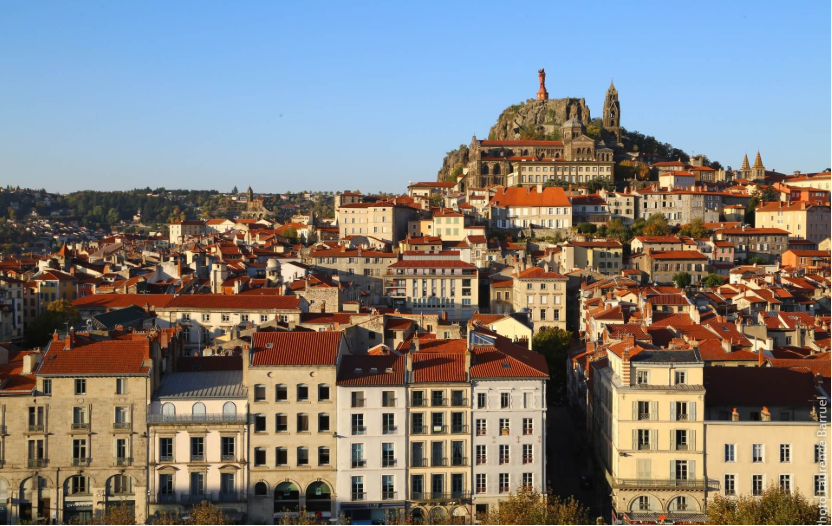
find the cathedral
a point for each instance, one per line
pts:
(575, 158)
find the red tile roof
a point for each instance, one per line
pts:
(487, 142)
(676, 254)
(371, 370)
(553, 196)
(295, 348)
(90, 357)
(12, 381)
(118, 301)
(539, 273)
(432, 263)
(438, 367)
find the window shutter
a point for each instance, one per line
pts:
(692, 411)
(672, 471)
(673, 411)
(635, 439)
(692, 439)
(635, 410)
(654, 410)
(654, 439)
(672, 439)
(691, 469)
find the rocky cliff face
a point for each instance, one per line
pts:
(539, 117)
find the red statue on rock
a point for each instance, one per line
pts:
(542, 94)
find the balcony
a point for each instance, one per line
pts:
(229, 496)
(459, 402)
(228, 458)
(643, 447)
(358, 496)
(197, 458)
(359, 430)
(121, 425)
(36, 428)
(436, 461)
(37, 462)
(359, 463)
(80, 426)
(682, 417)
(195, 498)
(438, 402)
(459, 461)
(207, 418)
(388, 462)
(166, 497)
(418, 462)
(670, 484)
(436, 496)
(419, 430)
(457, 429)
(165, 458)
(415, 402)
(359, 402)
(644, 416)
(438, 430)
(122, 461)
(388, 402)
(388, 495)
(682, 447)
(389, 430)
(80, 462)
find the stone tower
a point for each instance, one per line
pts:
(249, 195)
(745, 170)
(758, 171)
(612, 116)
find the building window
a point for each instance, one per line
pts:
(303, 423)
(505, 455)
(505, 427)
(505, 400)
(80, 386)
(481, 427)
(730, 484)
(165, 449)
(482, 400)
(820, 453)
(227, 448)
(681, 377)
(820, 485)
(481, 486)
(47, 386)
(281, 393)
(528, 426)
(756, 484)
(786, 483)
(281, 456)
(121, 386)
(259, 456)
(303, 393)
(303, 456)
(504, 483)
(259, 393)
(281, 421)
(323, 422)
(730, 452)
(323, 392)
(642, 377)
(785, 452)
(757, 453)
(259, 423)
(323, 456)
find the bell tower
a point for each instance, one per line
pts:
(612, 116)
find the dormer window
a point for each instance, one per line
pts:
(642, 377)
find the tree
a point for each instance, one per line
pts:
(694, 229)
(657, 226)
(757, 260)
(121, 514)
(291, 234)
(112, 217)
(527, 506)
(436, 200)
(235, 191)
(772, 507)
(713, 280)
(681, 279)
(554, 343)
(206, 513)
(602, 231)
(587, 228)
(617, 230)
(57, 314)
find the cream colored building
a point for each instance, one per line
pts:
(74, 437)
(432, 283)
(604, 256)
(291, 380)
(198, 431)
(542, 294)
(646, 421)
(439, 440)
(530, 207)
(801, 219)
(365, 268)
(384, 219)
(180, 231)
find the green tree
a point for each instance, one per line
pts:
(681, 279)
(587, 228)
(112, 216)
(527, 506)
(436, 200)
(694, 229)
(757, 260)
(57, 314)
(120, 514)
(772, 507)
(657, 226)
(235, 191)
(554, 343)
(291, 234)
(713, 280)
(616, 229)
(602, 231)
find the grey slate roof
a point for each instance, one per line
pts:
(668, 357)
(202, 384)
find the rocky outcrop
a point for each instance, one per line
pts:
(540, 117)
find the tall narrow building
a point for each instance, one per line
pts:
(612, 116)
(758, 171)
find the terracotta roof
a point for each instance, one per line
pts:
(668, 299)
(12, 381)
(431, 263)
(676, 254)
(371, 370)
(53, 275)
(538, 273)
(295, 348)
(91, 357)
(659, 239)
(435, 345)
(754, 231)
(399, 324)
(438, 367)
(487, 142)
(502, 362)
(553, 196)
(123, 300)
(486, 319)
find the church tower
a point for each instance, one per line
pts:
(745, 170)
(612, 116)
(758, 171)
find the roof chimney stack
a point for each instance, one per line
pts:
(735, 415)
(765, 415)
(625, 367)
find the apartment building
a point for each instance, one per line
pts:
(372, 438)
(198, 432)
(620, 205)
(542, 294)
(604, 257)
(12, 309)
(680, 207)
(204, 317)
(292, 402)
(54, 285)
(536, 206)
(646, 421)
(768, 243)
(661, 265)
(180, 231)
(450, 225)
(386, 220)
(508, 383)
(365, 268)
(432, 283)
(763, 428)
(74, 438)
(439, 391)
(801, 219)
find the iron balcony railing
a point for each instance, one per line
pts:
(415, 402)
(459, 461)
(195, 498)
(165, 458)
(228, 458)
(359, 430)
(437, 461)
(37, 462)
(439, 495)
(667, 483)
(358, 402)
(644, 416)
(358, 496)
(389, 430)
(121, 425)
(459, 428)
(207, 418)
(438, 402)
(417, 462)
(438, 430)
(459, 402)
(229, 496)
(388, 402)
(388, 462)
(388, 495)
(81, 461)
(197, 457)
(418, 430)
(122, 461)
(80, 426)
(359, 463)
(166, 497)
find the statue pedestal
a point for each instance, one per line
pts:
(542, 94)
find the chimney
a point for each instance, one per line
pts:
(31, 361)
(246, 361)
(765, 415)
(69, 341)
(468, 361)
(625, 367)
(539, 188)
(55, 336)
(735, 415)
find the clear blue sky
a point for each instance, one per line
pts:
(290, 96)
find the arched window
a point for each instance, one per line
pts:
(287, 498)
(261, 490)
(229, 409)
(496, 169)
(484, 170)
(318, 497)
(198, 409)
(168, 409)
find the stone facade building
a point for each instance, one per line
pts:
(365, 268)
(768, 243)
(542, 294)
(679, 207)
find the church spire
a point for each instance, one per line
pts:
(758, 162)
(745, 165)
